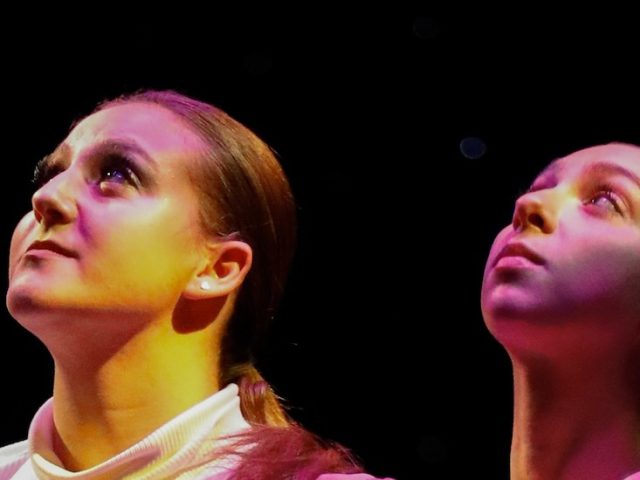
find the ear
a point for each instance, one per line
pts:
(223, 269)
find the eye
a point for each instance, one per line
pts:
(119, 170)
(607, 199)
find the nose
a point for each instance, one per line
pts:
(54, 203)
(535, 210)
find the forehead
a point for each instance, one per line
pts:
(574, 164)
(153, 128)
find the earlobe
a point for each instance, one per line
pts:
(222, 271)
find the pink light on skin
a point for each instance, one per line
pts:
(566, 308)
(581, 226)
(514, 263)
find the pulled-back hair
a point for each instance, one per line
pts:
(245, 195)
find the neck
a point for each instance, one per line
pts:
(573, 423)
(115, 392)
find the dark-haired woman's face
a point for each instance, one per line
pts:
(566, 273)
(114, 226)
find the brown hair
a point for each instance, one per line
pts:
(244, 194)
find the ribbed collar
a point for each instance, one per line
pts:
(182, 448)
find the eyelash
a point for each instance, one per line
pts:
(122, 164)
(609, 194)
(110, 163)
(602, 190)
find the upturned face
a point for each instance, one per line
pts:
(565, 274)
(114, 228)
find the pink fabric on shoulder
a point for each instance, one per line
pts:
(349, 476)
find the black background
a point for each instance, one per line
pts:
(380, 344)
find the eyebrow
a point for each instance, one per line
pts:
(60, 156)
(551, 170)
(118, 146)
(608, 168)
(549, 174)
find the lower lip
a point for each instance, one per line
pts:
(511, 262)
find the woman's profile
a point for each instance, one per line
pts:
(150, 266)
(561, 293)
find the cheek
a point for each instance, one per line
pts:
(603, 273)
(154, 245)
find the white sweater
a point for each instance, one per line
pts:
(180, 449)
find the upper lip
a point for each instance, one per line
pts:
(52, 246)
(517, 249)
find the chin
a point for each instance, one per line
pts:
(23, 304)
(26, 301)
(522, 330)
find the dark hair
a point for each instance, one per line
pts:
(245, 195)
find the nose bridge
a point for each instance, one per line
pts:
(538, 210)
(55, 201)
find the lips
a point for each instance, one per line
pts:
(519, 250)
(48, 245)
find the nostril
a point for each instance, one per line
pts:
(536, 220)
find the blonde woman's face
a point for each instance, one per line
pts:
(566, 272)
(114, 227)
